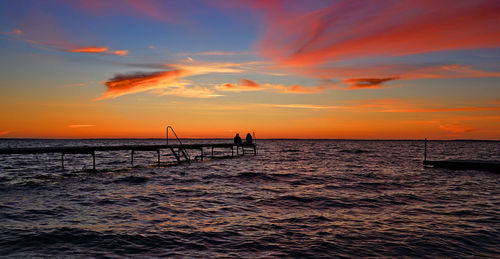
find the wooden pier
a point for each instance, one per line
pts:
(481, 165)
(179, 151)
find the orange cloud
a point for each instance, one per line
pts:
(244, 85)
(139, 82)
(5, 132)
(350, 29)
(298, 89)
(120, 52)
(457, 128)
(448, 71)
(454, 109)
(99, 50)
(167, 82)
(228, 86)
(80, 126)
(249, 85)
(358, 83)
(91, 49)
(304, 106)
(382, 103)
(406, 106)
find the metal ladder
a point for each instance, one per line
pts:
(181, 150)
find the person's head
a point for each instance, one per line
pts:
(237, 134)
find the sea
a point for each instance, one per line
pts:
(294, 198)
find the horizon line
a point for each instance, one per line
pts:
(230, 138)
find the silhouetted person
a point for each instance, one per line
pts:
(248, 139)
(237, 139)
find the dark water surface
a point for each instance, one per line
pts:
(296, 198)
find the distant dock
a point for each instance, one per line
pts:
(481, 165)
(179, 151)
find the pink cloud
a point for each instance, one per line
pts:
(350, 29)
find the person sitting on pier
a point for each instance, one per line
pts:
(248, 139)
(237, 139)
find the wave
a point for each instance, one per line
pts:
(354, 151)
(132, 179)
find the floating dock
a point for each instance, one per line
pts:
(481, 165)
(492, 166)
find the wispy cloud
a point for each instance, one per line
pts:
(360, 83)
(81, 126)
(394, 105)
(14, 32)
(170, 82)
(304, 106)
(164, 11)
(457, 128)
(99, 50)
(63, 45)
(349, 29)
(122, 52)
(298, 89)
(223, 53)
(448, 71)
(122, 84)
(5, 132)
(381, 74)
(317, 40)
(250, 85)
(90, 49)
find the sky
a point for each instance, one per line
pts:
(345, 69)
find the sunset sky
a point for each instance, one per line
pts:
(283, 69)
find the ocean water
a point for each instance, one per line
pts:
(295, 198)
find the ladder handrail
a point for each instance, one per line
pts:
(178, 139)
(180, 142)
